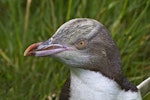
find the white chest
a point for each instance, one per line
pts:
(90, 85)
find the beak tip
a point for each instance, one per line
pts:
(25, 54)
(28, 51)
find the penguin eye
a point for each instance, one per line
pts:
(81, 44)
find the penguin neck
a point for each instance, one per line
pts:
(92, 84)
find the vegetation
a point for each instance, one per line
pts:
(23, 22)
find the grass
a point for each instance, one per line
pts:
(23, 22)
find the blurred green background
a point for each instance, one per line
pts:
(23, 22)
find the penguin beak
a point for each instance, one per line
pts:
(45, 49)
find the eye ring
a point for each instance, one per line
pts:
(81, 44)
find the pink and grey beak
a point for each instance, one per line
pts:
(44, 49)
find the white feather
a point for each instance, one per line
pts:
(90, 85)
